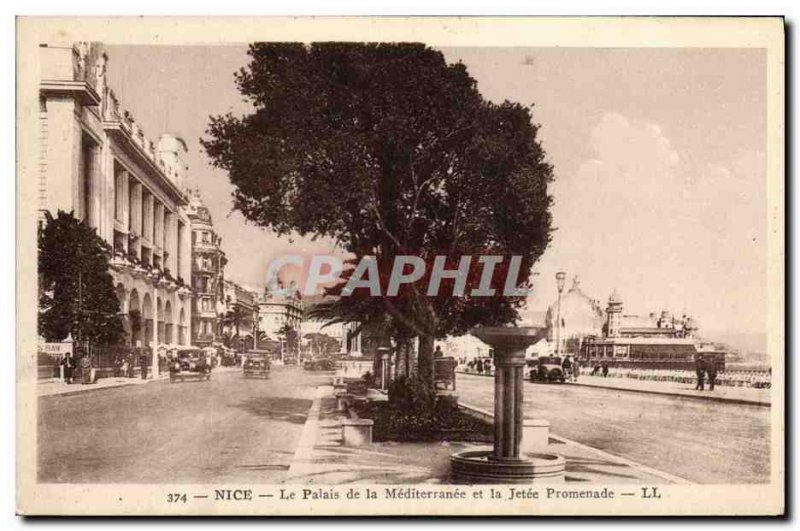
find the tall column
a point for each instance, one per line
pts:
(135, 206)
(343, 349)
(154, 345)
(170, 245)
(158, 225)
(147, 217)
(108, 182)
(123, 201)
(91, 190)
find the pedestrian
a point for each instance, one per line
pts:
(711, 372)
(576, 369)
(86, 369)
(604, 366)
(566, 365)
(479, 366)
(487, 366)
(143, 366)
(117, 367)
(700, 371)
(69, 363)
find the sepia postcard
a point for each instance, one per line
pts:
(400, 266)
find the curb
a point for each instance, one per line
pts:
(713, 398)
(301, 459)
(97, 389)
(487, 416)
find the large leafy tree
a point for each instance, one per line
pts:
(76, 290)
(322, 345)
(390, 151)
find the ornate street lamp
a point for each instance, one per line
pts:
(560, 279)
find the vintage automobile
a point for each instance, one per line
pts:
(257, 363)
(548, 369)
(191, 364)
(324, 364)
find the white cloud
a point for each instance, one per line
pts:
(631, 146)
(639, 217)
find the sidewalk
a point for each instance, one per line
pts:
(736, 395)
(59, 387)
(322, 459)
(739, 395)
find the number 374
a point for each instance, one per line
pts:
(176, 497)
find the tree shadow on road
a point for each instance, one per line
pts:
(578, 468)
(294, 410)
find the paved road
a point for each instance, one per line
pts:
(226, 430)
(702, 441)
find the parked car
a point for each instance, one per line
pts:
(257, 364)
(192, 364)
(531, 366)
(548, 369)
(325, 364)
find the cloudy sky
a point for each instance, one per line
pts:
(659, 158)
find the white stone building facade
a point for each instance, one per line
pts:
(96, 161)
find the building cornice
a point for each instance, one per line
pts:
(79, 90)
(122, 135)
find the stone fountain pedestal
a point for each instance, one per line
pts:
(505, 463)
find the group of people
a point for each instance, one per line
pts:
(602, 368)
(572, 368)
(705, 369)
(79, 366)
(124, 366)
(729, 378)
(76, 366)
(480, 365)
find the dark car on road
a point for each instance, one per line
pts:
(257, 364)
(548, 369)
(192, 364)
(325, 364)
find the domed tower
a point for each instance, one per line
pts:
(172, 151)
(690, 327)
(614, 313)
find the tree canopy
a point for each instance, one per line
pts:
(388, 150)
(76, 290)
(321, 344)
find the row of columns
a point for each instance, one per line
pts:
(139, 211)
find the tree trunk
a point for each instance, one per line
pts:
(404, 352)
(425, 358)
